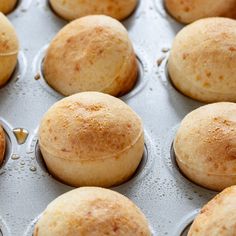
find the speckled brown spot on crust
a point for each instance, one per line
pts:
(232, 49)
(179, 18)
(109, 8)
(185, 55)
(208, 74)
(225, 168)
(115, 227)
(100, 51)
(206, 85)
(93, 107)
(198, 77)
(216, 166)
(186, 9)
(70, 40)
(77, 67)
(99, 29)
(64, 150)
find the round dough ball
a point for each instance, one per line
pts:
(2, 144)
(93, 53)
(205, 146)
(73, 9)
(83, 136)
(218, 217)
(202, 62)
(9, 47)
(92, 211)
(187, 11)
(6, 6)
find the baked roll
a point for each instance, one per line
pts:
(92, 211)
(217, 217)
(188, 11)
(205, 146)
(202, 62)
(6, 6)
(91, 139)
(73, 9)
(93, 53)
(9, 47)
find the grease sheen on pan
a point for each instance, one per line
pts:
(2, 144)
(93, 53)
(217, 217)
(202, 62)
(9, 47)
(91, 139)
(6, 6)
(205, 146)
(72, 9)
(187, 11)
(91, 211)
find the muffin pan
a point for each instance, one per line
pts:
(168, 199)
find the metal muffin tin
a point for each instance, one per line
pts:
(167, 198)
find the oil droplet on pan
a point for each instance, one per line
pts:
(21, 135)
(33, 168)
(15, 157)
(22, 163)
(37, 76)
(160, 60)
(165, 50)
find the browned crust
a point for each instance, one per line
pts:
(92, 210)
(217, 217)
(188, 11)
(127, 84)
(89, 122)
(205, 146)
(6, 6)
(202, 60)
(83, 135)
(71, 9)
(105, 60)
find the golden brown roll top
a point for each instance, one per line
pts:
(202, 62)
(73, 9)
(93, 53)
(92, 211)
(205, 146)
(84, 135)
(8, 38)
(6, 6)
(217, 217)
(9, 47)
(89, 125)
(188, 11)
